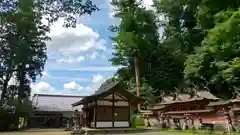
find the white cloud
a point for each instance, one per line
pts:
(95, 68)
(44, 73)
(12, 81)
(82, 79)
(73, 86)
(47, 75)
(42, 87)
(71, 60)
(148, 2)
(95, 55)
(97, 80)
(112, 9)
(68, 41)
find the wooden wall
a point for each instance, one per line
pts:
(110, 110)
(105, 113)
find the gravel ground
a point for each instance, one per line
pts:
(67, 133)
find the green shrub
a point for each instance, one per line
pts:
(137, 120)
(8, 121)
(219, 127)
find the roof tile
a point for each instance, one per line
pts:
(54, 103)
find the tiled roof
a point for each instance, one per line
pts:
(236, 97)
(158, 107)
(218, 103)
(184, 97)
(54, 103)
(207, 95)
(167, 98)
(107, 87)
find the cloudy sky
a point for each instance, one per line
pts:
(78, 58)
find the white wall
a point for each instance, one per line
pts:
(121, 124)
(106, 124)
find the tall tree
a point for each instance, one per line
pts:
(134, 34)
(23, 31)
(137, 38)
(181, 33)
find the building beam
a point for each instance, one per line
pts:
(113, 109)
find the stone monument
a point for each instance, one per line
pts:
(77, 129)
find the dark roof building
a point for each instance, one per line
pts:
(52, 111)
(55, 103)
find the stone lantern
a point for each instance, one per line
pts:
(77, 129)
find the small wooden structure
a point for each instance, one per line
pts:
(108, 107)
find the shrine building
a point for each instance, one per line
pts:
(108, 107)
(52, 111)
(196, 110)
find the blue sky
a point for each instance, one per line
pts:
(78, 58)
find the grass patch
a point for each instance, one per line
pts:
(197, 132)
(35, 133)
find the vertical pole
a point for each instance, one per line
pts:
(95, 114)
(137, 75)
(113, 111)
(129, 114)
(86, 115)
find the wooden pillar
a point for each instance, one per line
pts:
(185, 123)
(168, 122)
(200, 122)
(95, 114)
(129, 113)
(86, 117)
(233, 119)
(113, 109)
(193, 124)
(161, 122)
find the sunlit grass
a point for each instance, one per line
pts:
(157, 132)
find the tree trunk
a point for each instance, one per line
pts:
(137, 75)
(5, 85)
(21, 89)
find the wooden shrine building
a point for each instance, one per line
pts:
(108, 107)
(196, 110)
(52, 111)
(185, 110)
(229, 108)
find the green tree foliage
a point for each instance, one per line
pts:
(22, 30)
(209, 8)
(146, 92)
(23, 51)
(203, 35)
(137, 35)
(181, 34)
(216, 62)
